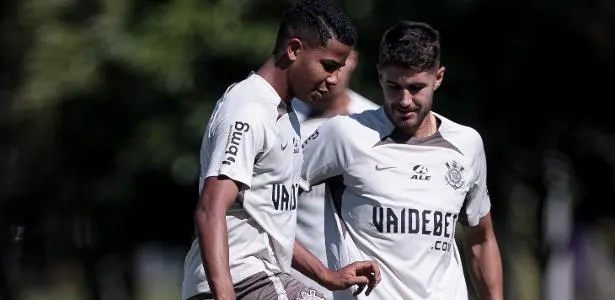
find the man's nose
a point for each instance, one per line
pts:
(334, 78)
(406, 99)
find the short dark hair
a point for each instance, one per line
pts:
(315, 22)
(411, 45)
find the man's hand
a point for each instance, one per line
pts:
(361, 273)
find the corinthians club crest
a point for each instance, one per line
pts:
(454, 176)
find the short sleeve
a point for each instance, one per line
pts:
(326, 152)
(235, 142)
(478, 203)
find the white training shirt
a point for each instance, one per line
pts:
(318, 226)
(402, 198)
(356, 105)
(252, 139)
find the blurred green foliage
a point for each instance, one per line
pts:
(104, 102)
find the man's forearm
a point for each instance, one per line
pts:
(486, 266)
(360, 273)
(213, 241)
(309, 265)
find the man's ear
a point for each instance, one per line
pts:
(352, 60)
(294, 47)
(439, 77)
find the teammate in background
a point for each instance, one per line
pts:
(407, 176)
(349, 101)
(250, 161)
(317, 223)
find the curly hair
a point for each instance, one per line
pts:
(410, 45)
(315, 22)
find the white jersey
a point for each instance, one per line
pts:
(402, 198)
(318, 225)
(250, 141)
(356, 105)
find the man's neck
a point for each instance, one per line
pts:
(428, 127)
(277, 78)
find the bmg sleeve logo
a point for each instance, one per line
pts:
(235, 135)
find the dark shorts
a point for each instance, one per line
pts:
(261, 286)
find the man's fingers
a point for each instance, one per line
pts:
(372, 280)
(360, 280)
(376, 271)
(367, 274)
(369, 290)
(369, 268)
(359, 290)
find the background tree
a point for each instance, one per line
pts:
(104, 103)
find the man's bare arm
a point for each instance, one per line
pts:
(362, 273)
(485, 261)
(218, 195)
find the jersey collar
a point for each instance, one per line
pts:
(274, 98)
(387, 127)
